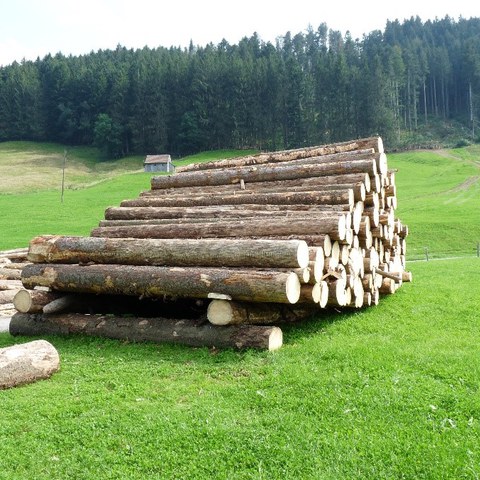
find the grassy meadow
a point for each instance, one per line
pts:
(391, 392)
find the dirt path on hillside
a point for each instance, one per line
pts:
(470, 181)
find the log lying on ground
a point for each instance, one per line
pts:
(263, 173)
(277, 226)
(170, 252)
(223, 312)
(146, 281)
(195, 333)
(374, 143)
(27, 363)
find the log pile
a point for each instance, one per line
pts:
(11, 265)
(247, 243)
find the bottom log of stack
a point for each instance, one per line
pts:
(190, 332)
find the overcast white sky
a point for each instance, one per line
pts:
(34, 28)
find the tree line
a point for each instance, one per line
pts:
(313, 87)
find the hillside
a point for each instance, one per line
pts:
(439, 193)
(387, 392)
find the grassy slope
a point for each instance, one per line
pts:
(391, 392)
(439, 197)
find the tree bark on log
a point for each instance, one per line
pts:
(277, 226)
(316, 183)
(170, 252)
(263, 173)
(223, 312)
(9, 274)
(332, 197)
(374, 143)
(146, 281)
(222, 212)
(33, 301)
(194, 333)
(27, 363)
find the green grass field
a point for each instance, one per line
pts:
(391, 392)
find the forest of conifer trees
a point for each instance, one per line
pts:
(309, 88)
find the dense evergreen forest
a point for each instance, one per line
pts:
(306, 89)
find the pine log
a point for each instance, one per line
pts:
(157, 282)
(9, 274)
(277, 226)
(33, 301)
(220, 211)
(262, 173)
(320, 183)
(10, 284)
(222, 312)
(170, 252)
(232, 216)
(374, 143)
(7, 296)
(190, 332)
(27, 363)
(330, 197)
(337, 293)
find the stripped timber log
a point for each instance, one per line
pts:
(374, 143)
(147, 281)
(170, 252)
(189, 332)
(27, 363)
(223, 312)
(279, 226)
(262, 173)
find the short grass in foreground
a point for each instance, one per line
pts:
(390, 392)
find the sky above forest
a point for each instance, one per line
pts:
(35, 28)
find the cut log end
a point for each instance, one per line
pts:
(293, 288)
(302, 254)
(275, 339)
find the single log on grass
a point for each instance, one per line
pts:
(223, 312)
(27, 363)
(263, 173)
(146, 281)
(190, 332)
(170, 252)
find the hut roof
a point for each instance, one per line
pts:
(149, 159)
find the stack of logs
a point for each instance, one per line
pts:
(267, 238)
(11, 265)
